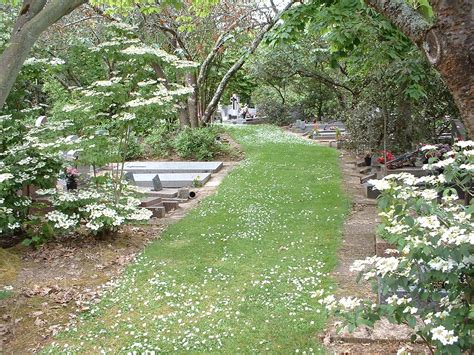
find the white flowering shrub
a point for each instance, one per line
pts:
(98, 210)
(427, 281)
(124, 99)
(25, 160)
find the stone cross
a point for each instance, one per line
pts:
(235, 102)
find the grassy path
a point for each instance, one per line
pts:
(240, 273)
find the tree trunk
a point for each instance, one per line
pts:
(446, 44)
(211, 107)
(34, 18)
(183, 115)
(192, 100)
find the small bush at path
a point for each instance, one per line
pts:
(239, 274)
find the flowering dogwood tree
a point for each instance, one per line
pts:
(427, 281)
(101, 117)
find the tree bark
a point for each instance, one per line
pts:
(446, 44)
(211, 107)
(34, 18)
(192, 100)
(183, 115)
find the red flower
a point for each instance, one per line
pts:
(388, 154)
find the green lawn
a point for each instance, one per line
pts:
(240, 272)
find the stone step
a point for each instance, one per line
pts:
(165, 193)
(150, 201)
(157, 210)
(170, 205)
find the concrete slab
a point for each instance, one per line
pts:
(161, 167)
(172, 180)
(165, 193)
(150, 201)
(158, 211)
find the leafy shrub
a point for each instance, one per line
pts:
(160, 140)
(428, 279)
(135, 149)
(99, 210)
(24, 161)
(276, 113)
(197, 143)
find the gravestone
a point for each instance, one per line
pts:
(234, 111)
(370, 191)
(157, 186)
(458, 130)
(129, 177)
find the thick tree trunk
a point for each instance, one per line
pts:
(446, 43)
(448, 47)
(34, 18)
(192, 100)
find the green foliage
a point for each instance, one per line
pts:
(343, 60)
(27, 160)
(160, 139)
(197, 143)
(135, 148)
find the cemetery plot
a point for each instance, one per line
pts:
(171, 180)
(160, 167)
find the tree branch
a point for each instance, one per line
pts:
(404, 17)
(224, 37)
(211, 107)
(324, 79)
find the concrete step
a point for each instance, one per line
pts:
(150, 201)
(170, 205)
(157, 210)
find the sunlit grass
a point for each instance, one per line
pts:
(241, 272)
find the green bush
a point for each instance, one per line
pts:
(160, 140)
(197, 143)
(275, 113)
(135, 149)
